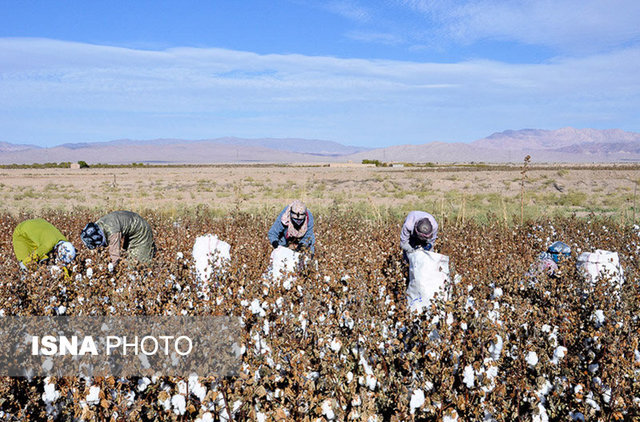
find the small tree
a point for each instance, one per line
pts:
(83, 164)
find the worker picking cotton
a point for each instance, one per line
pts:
(38, 241)
(293, 228)
(121, 231)
(547, 262)
(419, 231)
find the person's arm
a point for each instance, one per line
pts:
(115, 250)
(276, 231)
(405, 235)
(309, 238)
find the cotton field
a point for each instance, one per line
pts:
(336, 342)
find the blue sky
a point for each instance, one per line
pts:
(370, 73)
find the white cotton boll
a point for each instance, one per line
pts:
(371, 382)
(463, 326)
(335, 345)
(542, 414)
(636, 355)
(469, 304)
(287, 284)
(599, 318)
(532, 359)
(450, 416)
(89, 272)
(349, 377)
(545, 389)
(327, 410)
(497, 292)
(110, 267)
(593, 368)
(495, 349)
(166, 403)
(207, 417)
(179, 404)
(265, 327)
(256, 309)
(468, 376)
(143, 384)
(180, 255)
(196, 388)
(546, 328)
(50, 394)
(492, 372)
(130, 397)
(261, 417)
(417, 400)
(182, 387)
(591, 402)
(93, 397)
(558, 354)
(578, 389)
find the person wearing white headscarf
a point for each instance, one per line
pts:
(293, 228)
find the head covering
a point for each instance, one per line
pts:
(546, 264)
(423, 229)
(295, 219)
(558, 248)
(298, 211)
(65, 252)
(92, 236)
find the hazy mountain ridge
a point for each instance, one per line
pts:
(561, 145)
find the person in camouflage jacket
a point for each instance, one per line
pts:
(121, 231)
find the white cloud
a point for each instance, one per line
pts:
(385, 38)
(73, 92)
(570, 25)
(349, 10)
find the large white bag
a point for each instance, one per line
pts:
(428, 272)
(210, 253)
(601, 264)
(283, 261)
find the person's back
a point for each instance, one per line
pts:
(121, 230)
(34, 239)
(134, 229)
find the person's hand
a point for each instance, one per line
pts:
(274, 244)
(427, 247)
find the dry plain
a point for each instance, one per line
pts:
(447, 191)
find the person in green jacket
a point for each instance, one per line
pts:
(37, 240)
(121, 231)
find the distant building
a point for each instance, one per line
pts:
(350, 164)
(75, 166)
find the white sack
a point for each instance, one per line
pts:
(428, 272)
(283, 261)
(600, 263)
(210, 253)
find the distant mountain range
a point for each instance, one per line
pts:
(562, 145)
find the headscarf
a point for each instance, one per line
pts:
(423, 229)
(65, 252)
(297, 208)
(93, 236)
